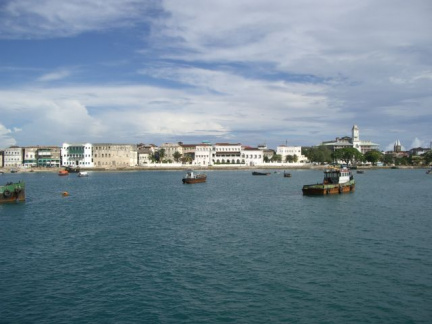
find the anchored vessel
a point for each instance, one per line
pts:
(336, 181)
(12, 192)
(260, 173)
(192, 177)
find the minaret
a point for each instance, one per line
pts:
(356, 137)
(397, 146)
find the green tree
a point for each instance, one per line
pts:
(349, 155)
(321, 154)
(177, 155)
(388, 159)
(373, 156)
(277, 158)
(427, 157)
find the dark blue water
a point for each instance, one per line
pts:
(141, 247)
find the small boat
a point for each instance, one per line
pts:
(12, 192)
(14, 171)
(83, 174)
(336, 181)
(192, 177)
(287, 175)
(260, 173)
(63, 173)
(360, 171)
(429, 171)
(72, 169)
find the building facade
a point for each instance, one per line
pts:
(30, 157)
(48, 156)
(77, 155)
(354, 141)
(252, 156)
(13, 157)
(109, 155)
(284, 151)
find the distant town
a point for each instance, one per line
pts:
(349, 150)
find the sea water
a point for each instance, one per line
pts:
(141, 247)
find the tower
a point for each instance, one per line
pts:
(356, 137)
(397, 146)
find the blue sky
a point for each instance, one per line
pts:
(246, 71)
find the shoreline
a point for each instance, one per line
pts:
(199, 168)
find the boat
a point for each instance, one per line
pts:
(83, 174)
(192, 177)
(360, 171)
(12, 192)
(336, 181)
(13, 171)
(260, 173)
(71, 169)
(429, 171)
(287, 175)
(63, 173)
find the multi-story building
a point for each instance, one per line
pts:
(13, 156)
(109, 155)
(284, 151)
(170, 149)
(48, 156)
(145, 151)
(1, 158)
(203, 155)
(30, 156)
(252, 156)
(188, 152)
(354, 141)
(226, 153)
(77, 155)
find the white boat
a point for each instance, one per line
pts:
(82, 174)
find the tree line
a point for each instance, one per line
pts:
(351, 156)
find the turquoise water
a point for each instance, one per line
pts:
(141, 247)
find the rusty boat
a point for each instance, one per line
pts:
(336, 181)
(192, 177)
(12, 192)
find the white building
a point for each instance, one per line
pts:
(252, 156)
(77, 155)
(284, 151)
(354, 141)
(13, 156)
(226, 153)
(203, 155)
(30, 156)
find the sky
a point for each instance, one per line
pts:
(295, 72)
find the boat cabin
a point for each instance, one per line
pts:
(335, 176)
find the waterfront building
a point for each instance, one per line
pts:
(145, 152)
(284, 151)
(252, 156)
(30, 159)
(188, 152)
(1, 158)
(109, 155)
(354, 141)
(13, 157)
(170, 149)
(48, 156)
(77, 155)
(226, 153)
(203, 155)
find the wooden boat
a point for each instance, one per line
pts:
(192, 177)
(336, 181)
(287, 175)
(83, 174)
(360, 171)
(63, 173)
(260, 173)
(12, 192)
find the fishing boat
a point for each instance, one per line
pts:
(336, 181)
(260, 173)
(63, 173)
(12, 192)
(192, 177)
(83, 174)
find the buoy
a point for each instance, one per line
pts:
(65, 193)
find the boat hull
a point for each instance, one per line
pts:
(196, 180)
(328, 189)
(260, 173)
(12, 192)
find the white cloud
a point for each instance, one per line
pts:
(6, 137)
(53, 18)
(54, 76)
